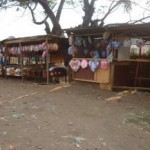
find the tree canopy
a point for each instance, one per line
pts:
(52, 10)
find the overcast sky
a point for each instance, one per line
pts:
(14, 23)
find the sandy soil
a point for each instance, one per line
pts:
(69, 116)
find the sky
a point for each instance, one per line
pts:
(19, 24)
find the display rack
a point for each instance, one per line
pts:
(29, 57)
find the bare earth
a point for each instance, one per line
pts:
(69, 116)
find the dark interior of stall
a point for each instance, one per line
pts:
(132, 74)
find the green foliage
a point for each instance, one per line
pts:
(74, 3)
(52, 2)
(70, 2)
(11, 3)
(23, 2)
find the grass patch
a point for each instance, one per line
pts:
(141, 120)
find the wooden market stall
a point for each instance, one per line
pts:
(88, 50)
(115, 56)
(38, 57)
(131, 67)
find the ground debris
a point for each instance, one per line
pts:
(75, 139)
(114, 98)
(120, 95)
(17, 116)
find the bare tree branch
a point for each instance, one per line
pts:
(140, 20)
(60, 10)
(33, 16)
(110, 10)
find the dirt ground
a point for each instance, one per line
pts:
(69, 116)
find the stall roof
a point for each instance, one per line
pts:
(123, 29)
(85, 30)
(29, 39)
(129, 29)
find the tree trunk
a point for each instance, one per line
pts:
(56, 26)
(89, 11)
(60, 10)
(47, 28)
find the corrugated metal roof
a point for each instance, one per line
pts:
(85, 30)
(38, 38)
(122, 29)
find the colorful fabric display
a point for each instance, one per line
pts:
(104, 64)
(25, 49)
(18, 72)
(53, 47)
(33, 48)
(127, 43)
(44, 45)
(140, 42)
(94, 65)
(103, 54)
(13, 60)
(7, 71)
(134, 51)
(78, 41)
(84, 63)
(96, 54)
(36, 48)
(115, 44)
(44, 54)
(12, 71)
(145, 50)
(71, 50)
(13, 50)
(75, 65)
(85, 51)
(40, 47)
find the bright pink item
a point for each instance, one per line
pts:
(84, 64)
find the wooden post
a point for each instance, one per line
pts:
(21, 62)
(47, 61)
(5, 66)
(115, 53)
